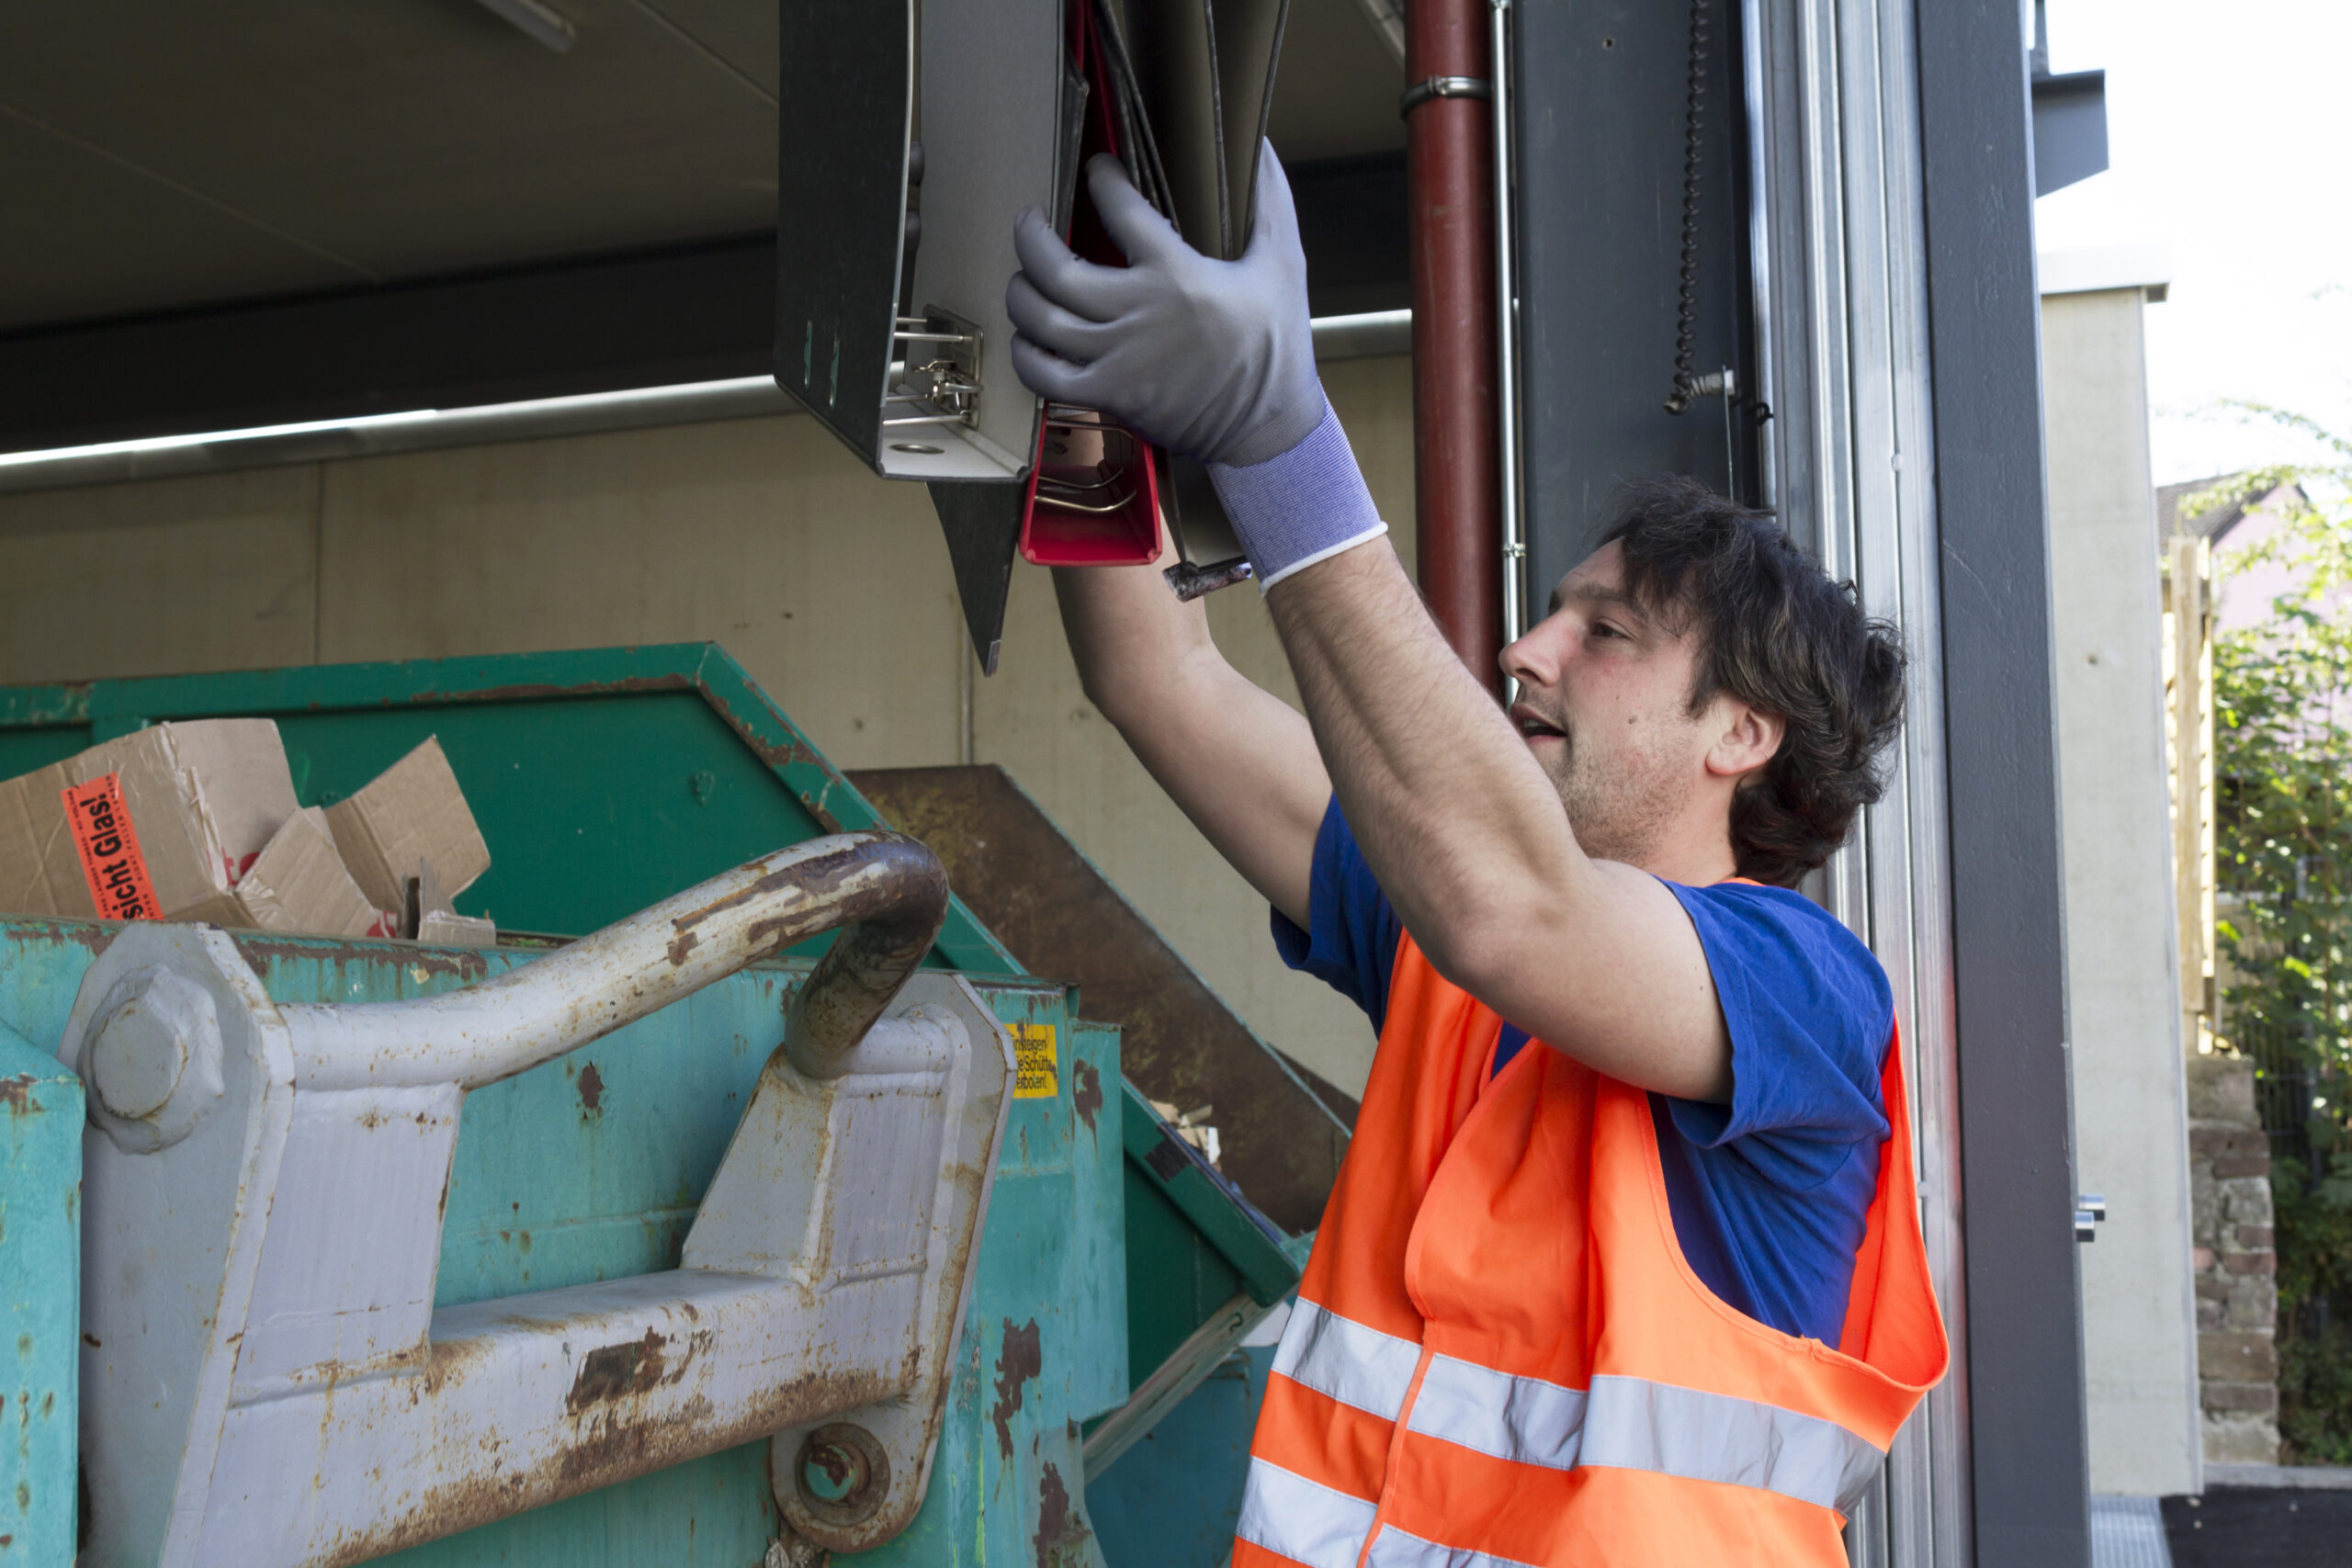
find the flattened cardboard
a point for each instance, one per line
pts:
(430, 918)
(241, 775)
(413, 810)
(298, 884)
(172, 775)
(40, 870)
(445, 930)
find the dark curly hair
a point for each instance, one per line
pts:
(1778, 634)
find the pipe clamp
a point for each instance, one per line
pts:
(1422, 91)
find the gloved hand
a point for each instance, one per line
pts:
(1212, 359)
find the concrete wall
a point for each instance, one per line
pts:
(2130, 1116)
(831, 585)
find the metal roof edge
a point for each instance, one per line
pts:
(2139, 264)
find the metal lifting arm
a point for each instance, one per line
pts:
(886, 888)
(264, 1212)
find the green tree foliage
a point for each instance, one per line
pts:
(2283, 760)
(2314, 1234)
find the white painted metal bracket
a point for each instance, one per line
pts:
(266, 1381)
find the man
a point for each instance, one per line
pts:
(1623, 1264)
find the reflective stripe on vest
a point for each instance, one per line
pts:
(1398, 1549)
(1295, 1518)
(1623, 1422)
(1633, 1424)
(1345, 1361)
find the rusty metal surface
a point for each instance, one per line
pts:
(508, 1429)
(886, 890)
(898, 906)
(901, 1201)
(303, 1152)
(1041, 897)
(605, 1193)
(41, 1272)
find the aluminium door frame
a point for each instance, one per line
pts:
(1893, 267)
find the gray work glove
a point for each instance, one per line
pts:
(1212, 359)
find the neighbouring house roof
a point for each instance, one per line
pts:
(2243, 589)
(2214, 522)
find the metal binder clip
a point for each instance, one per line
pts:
(944, 388)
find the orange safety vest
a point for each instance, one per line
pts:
(1499, 1358)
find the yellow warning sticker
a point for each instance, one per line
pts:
(1035, 1073)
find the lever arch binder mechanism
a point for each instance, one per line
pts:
(911, 138)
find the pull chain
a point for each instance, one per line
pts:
(1686, 322)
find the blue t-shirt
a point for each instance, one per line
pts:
(1771, 1193)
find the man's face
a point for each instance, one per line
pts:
(1605, 689)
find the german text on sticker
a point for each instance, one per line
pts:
(1035, 1074)
(108, 845)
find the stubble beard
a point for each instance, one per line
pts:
(1622, 808)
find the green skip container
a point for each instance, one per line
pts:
(1111, 1353)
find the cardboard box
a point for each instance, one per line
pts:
(239, 770)
(412, 810)
(198, 821)
(160, 823)
(298, 884)
(431, 918)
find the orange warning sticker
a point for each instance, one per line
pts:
(111, 862)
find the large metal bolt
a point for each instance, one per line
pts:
(833, 1473)
(142, 1049)
(844, 1474)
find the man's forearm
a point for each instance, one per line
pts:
(1128, 634)
(1239, 762)
(1456, 819)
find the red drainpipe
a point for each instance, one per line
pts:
(1450, 184)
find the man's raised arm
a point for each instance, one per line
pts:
(1459, 823)
(1240, 762)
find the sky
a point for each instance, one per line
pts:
(2229, 143)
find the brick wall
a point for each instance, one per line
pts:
(2237, 1293)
